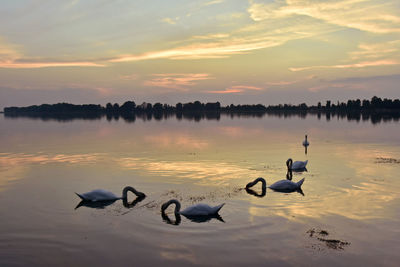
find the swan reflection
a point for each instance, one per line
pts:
(167, 220)
(95, 205)
(132, 204)
(103, 204)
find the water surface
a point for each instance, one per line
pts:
(349, 213)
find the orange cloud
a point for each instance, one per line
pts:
(35, 65)
(176, 80)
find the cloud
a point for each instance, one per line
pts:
(237, 89)
(365, 64)
(8, 52)
(354, 86)
(369, 16)
(213, 2)
(170, 21)
(34, 65)
(11, 57)
(376, 50)
(179, 81)
(130, 77)
(203, 50)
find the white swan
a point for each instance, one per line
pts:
(282, 185)
(195, 210)
(297, 165)
(305, 142)
(286, 185)
(104, 195)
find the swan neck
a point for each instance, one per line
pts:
(133, 190)
(289, 163)
(172, 201)
(259, 179)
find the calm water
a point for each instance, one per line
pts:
(351, 192)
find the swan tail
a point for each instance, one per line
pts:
(79, 195)
(305, 163)
(217, 208)
(299, 183)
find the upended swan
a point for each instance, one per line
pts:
(195, 210)
(297, 165)
(305, 142)
(104, 195)
(282, 185)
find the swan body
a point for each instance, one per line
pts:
(286, 185)
(305, 142)
(282, 185)
(195, 210)
(104, 195)
(297, 165)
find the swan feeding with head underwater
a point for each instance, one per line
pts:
(297, 165)
(305, 142)
(286, 186)
(195, 210)
(104, 195)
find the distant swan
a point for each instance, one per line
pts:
(282, 185)
(297, 165)
(104, 195)
(195, 210)
(305, 142)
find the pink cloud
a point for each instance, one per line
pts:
(237, 89)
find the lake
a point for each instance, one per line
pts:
(347, 214)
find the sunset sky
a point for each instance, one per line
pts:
(232, 51)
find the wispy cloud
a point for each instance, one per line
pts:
(36, 65)
(200, 50)
(213, 2)
(179, 81)
(347, 86)
(350, 66)
(129, 77)
(364, 15)
(376, 50)
(237, 89)
(11, 57)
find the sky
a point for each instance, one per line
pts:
(231, 51)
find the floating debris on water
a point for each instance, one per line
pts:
(334, 243)
(387, 160)
(321, 235)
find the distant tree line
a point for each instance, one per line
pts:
(352, 109)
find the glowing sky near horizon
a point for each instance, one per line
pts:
(232, 51)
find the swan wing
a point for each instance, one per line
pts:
(299, 164)
(98, 195)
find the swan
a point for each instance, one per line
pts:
(195, 210)
(282, 185)
(297, 165)
(305, 142)
(104, 195)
